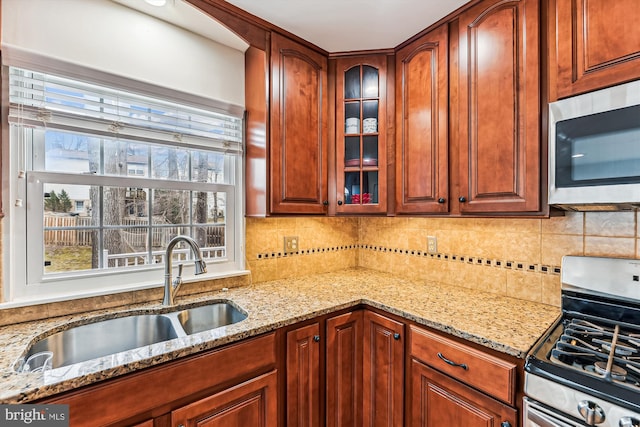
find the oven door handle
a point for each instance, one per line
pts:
(537, 418)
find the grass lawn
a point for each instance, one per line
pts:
(67, 258)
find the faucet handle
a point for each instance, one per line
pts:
(178, 280)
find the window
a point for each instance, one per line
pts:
(109, 178)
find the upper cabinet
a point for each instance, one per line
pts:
(422, 120)
(298, 128)
(498, 108)
(592, 44)
(360, 134)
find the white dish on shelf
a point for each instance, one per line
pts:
(370, 125)
(352, 125)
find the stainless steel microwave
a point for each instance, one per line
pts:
(594, 150)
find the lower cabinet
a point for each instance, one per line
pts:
(383, 367)
(230, 386)
(437, 400)
(303, 377)
(456, 385)
(363, 370)
(344, 370)
(252, 403)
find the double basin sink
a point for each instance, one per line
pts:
(111, 336)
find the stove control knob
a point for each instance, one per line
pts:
(629, 422)
(592, 413)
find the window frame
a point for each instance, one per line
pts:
(23, 225)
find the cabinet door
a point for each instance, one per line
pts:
(422, 161)
(437, 400)
(383, 369)
(299, 109)
(598, 44)
(303, 377)
(499, 111)
(344, 370)
(360, 134)
(252, 403)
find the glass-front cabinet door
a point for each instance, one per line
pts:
(360, 134)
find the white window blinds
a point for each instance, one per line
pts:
(44, 100)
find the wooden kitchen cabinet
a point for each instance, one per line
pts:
(422, 120)
(303, 377)
(298, 128)
(593, 44)
(344, 370)
(151, 393)
(361, 125)
(454, 384)
(383, 371)
(497, 107)
(252, 403)
(437, 400)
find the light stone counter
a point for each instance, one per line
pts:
(505, 324)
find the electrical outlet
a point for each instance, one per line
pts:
(432, 244)
(290, 244)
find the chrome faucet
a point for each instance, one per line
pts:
(171, 287)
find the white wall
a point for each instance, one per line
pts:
(110, 38)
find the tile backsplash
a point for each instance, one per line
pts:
(514, 257)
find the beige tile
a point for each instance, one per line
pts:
(555, 246)
(609, 246)
(551, 289)
(610, 224)
(570, 223)
(524, 285)
(288, 267)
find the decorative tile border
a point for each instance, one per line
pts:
(468, 259)
(270, 255)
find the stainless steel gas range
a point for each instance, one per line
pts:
(586, 371)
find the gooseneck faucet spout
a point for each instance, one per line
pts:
(171, 287)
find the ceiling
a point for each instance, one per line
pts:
(351, 25)
(332, 25)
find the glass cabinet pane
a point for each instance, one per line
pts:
(352, 83)
(352, 117)
(361, 192)
(352, 151)
(370, 81)
(370, 151)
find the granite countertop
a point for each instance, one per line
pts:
(483, 318)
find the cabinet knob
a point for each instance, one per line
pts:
(325, 202)
(441, 200)
(462, 199)
(316, 338)
(505, 424)
(339, 202)
(396, 336)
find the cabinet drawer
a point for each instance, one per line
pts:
(482, 371)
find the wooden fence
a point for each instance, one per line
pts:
(69, 231)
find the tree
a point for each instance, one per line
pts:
(65, 201)
(52, 203)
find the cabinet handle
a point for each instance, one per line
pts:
(462, 199)
(396, 336)
(452, 363)
(441, 200)
(505, 424)
(339, 202)
(325, 202)
(316, 338)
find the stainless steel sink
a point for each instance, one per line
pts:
(207, 317)
(103, 338)
(107, 337)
